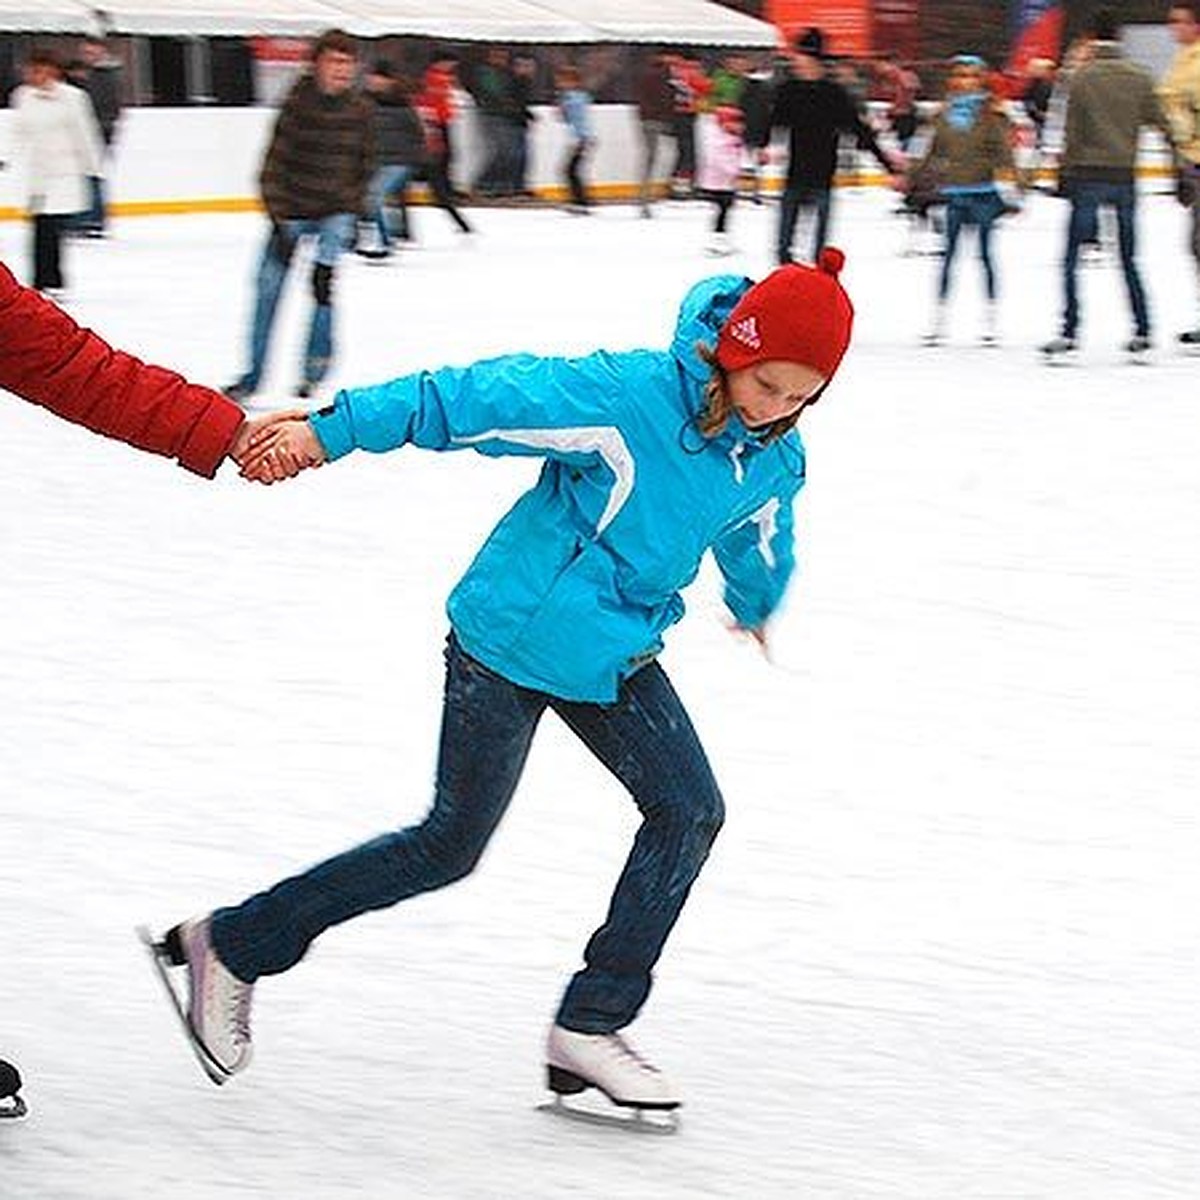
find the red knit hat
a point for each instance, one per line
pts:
(797, 314)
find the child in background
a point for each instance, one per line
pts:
(575, 105)
(652, 458)
(721, 148)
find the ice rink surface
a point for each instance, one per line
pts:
(946, 946)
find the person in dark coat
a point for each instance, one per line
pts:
(815, 111)
(314, 184)
(399, 154)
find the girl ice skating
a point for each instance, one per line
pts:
(652, 457)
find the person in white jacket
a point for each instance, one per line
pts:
(721, 148)
(59, 146)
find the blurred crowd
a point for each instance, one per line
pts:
(960, 141)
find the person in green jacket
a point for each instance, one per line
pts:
(1110, 101)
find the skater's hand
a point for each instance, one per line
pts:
(757, 634)
(282, 451)
(252, 431)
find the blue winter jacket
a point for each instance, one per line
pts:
(575, 586)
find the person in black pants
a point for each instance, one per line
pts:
(816, 111)
(59, 142)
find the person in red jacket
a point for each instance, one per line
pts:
(46, 358)
(49, 360)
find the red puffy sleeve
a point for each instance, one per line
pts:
(45, 357)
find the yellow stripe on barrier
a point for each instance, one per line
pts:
(552, 195)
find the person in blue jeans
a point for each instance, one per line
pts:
(652, 457)
(399, 152)
(314, 182)
(1110, 101)
(968, 153)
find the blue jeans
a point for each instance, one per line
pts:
(388, 180)
(794, 199)
(333, 235)
(1086, 200)
(645, 739)
(980, 209)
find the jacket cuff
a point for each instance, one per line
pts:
(334, 428)
(211, 437)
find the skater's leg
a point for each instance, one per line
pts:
(789, 210)
(1125, 203)
(647, 741)
(272, 272)
(987, 224)
(487, 726)
(823, 202)
(333, 236)
(1083, 223)
(954, 224)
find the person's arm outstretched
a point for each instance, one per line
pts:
(49, 360)
(517, 404)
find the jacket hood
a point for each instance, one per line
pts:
(703, 311)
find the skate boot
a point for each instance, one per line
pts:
(1060, 350)
(606, 1061)
(989, 336)
(936, 333)
(11, 1104)
(719, 246)
(215, 1014)
(1189, 339)
(1138, 348)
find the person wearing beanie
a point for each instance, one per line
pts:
(651, 458)
(816, 111)
(969, 154)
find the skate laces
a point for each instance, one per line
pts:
(229, 996)
(237, 1001)
(626, 1051)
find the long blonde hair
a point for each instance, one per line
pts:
(718, 406)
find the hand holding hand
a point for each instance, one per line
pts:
(281, 449)
(250, 430)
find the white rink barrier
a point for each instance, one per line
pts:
(197, 159)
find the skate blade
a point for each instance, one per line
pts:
(14, 1108)
(159, 958)
(657, 1122)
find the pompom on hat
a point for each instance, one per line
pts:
(797, 314)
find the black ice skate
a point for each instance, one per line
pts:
(215, 1011)
(1060, 351)
(1138, 349)
(641, 1097)
(11, 1104)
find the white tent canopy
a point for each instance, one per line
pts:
(697, 22)
(689, 22)
(46, 16)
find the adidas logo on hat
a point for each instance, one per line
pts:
(746, 332)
